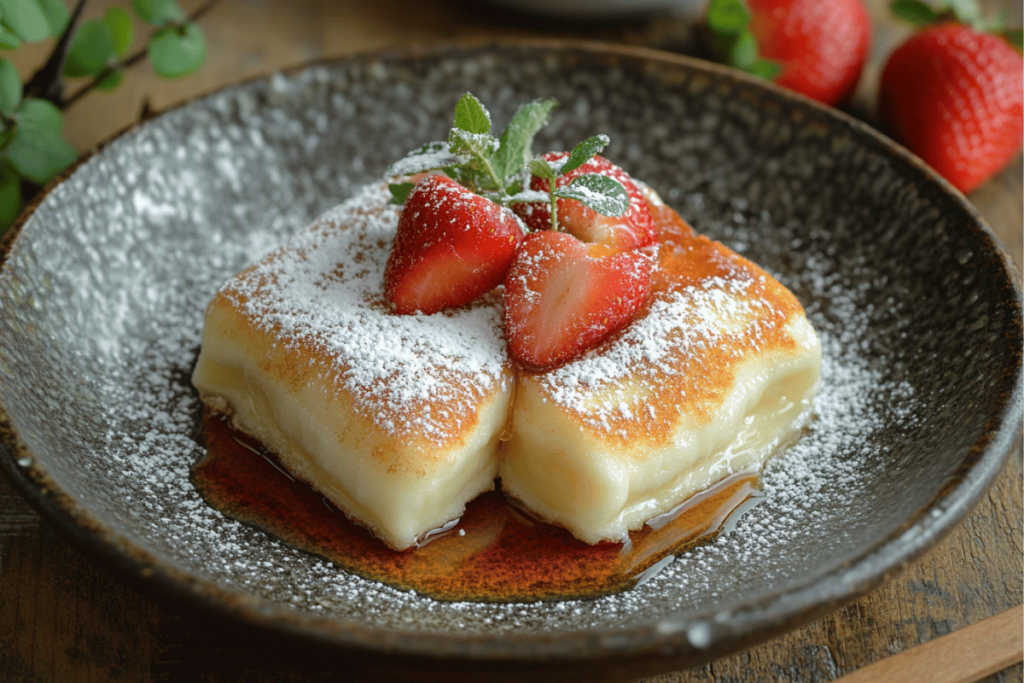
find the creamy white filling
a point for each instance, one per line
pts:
(600, 490)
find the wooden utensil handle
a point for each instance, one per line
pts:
(963, 656)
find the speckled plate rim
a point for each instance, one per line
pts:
(684, 640)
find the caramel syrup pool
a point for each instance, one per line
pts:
(495, 553)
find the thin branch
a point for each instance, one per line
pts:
(132, 60)
(47, 81)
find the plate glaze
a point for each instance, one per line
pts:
(105, 281)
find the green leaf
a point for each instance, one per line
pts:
(56, 16)
(471, 116)
(8, 39)
(517, 139)
(1014, 37)
(429, 157)
(158, 12)
(10, 88)
(541, 169)
(10, 198)
(914, 12)
(599, 192)
(967, 11)
(584, 152)
(766, 69)
(26, 19)
(477, 173)
(110, 81)
(38, 151)
(122, 31)
(177, 52)
(400, 191)
(91, 49)
(743, 52)
(727, 17)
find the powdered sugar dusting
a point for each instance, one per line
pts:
(101, 325)
(680, 323)
(322, 291)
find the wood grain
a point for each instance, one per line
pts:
(64, 619)
(962, 656)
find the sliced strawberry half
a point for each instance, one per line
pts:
(633, 229)
(563, 297)
(451, 246)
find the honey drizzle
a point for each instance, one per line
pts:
(495, 553)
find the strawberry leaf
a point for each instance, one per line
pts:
(599, 192)
(584, 152)
(967, 11)
(516, 140)
(727, 17)
(765, 69)
(471, 116)
(914, 12)
(1014, 37)
(399, 192)
(743, 51)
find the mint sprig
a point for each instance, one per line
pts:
(499, 168)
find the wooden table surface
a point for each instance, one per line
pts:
(64, 619)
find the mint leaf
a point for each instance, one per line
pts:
(122, 30)
(727, 17)
(91, 47)
(605, 195)
(26, 19)
(517, 138)
(10, 88)
(429, 157)
(8, 40)
(38, 152)
(478, 173)
(584, 152)
(529, 196)
(914, 12)
(56, 16)
(399, 192)
(471, 116)
(541, 169)
(176, 52)
(472, 144)
(765, 69)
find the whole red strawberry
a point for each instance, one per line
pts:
(814, 47)
(631, 230)
(451, 246)
(953, 95)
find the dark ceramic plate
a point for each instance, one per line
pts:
(104, 286)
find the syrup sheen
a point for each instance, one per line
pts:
(496, 552)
